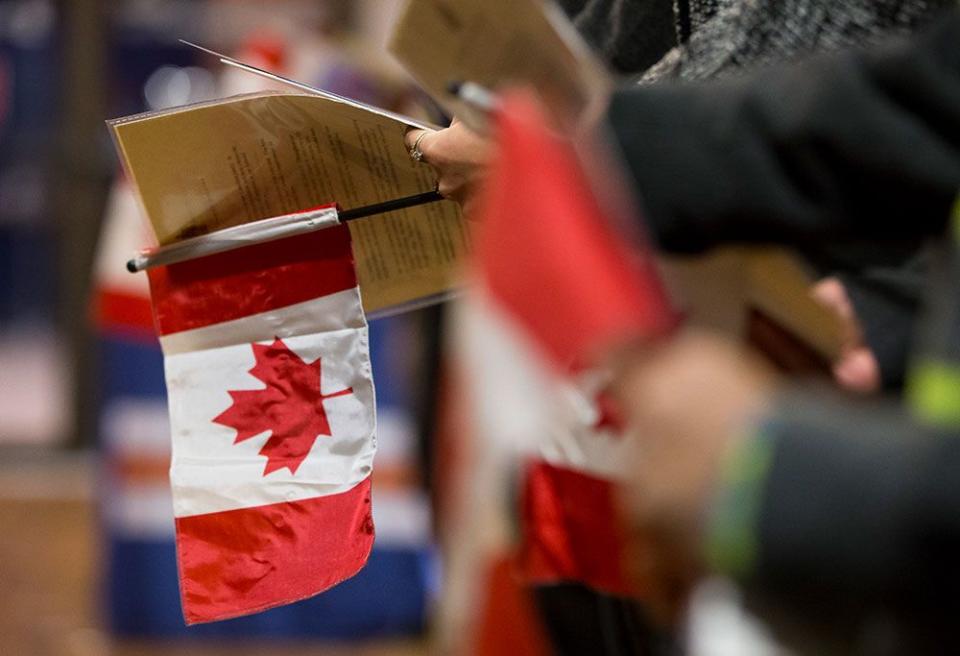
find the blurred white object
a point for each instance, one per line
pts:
(34, 377)
(718, 625)
(402, 511)
(27, 23)
(171, 86)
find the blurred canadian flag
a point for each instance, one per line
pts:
(555, 281)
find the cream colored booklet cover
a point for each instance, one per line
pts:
(213, 165)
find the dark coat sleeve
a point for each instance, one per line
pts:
(859, 514)
(852, 146)
(886, 301)
(860, 523)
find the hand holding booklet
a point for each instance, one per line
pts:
(220, 164)
(204, 167)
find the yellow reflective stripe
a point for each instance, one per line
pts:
(933, 391)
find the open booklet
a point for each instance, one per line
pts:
(223, 163)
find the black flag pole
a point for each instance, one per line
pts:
(474, 95)
(390, 205)
(270, 229)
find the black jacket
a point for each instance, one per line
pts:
(859, 521)
(863, 146)
(820, 156)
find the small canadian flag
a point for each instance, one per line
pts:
(544, 313)
(272, 413)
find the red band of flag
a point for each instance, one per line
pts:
(251, 280)
(271, 555)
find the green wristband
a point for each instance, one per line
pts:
(732, 526)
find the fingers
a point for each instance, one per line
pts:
(831, 294)
(411, 136)
(858, 371)
(415, 141)
(419, 143)
(457, 155)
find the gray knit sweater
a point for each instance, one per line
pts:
(699, 39)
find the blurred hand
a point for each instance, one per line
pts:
(459, 156)
(685, 402)
(857, 369)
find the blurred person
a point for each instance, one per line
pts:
(629, 44)
(838, 519)
(875, 290)
(721, 38)
(708, 39)
(836, 516)
(837, 150)
(693, 40)
(843, 148)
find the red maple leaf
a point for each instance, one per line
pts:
(291, 407)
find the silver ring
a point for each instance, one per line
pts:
(415, 153)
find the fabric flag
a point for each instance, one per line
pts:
(556, 283)
(272, 416)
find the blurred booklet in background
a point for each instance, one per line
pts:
(218, 164)
(498, 43)
(731, 288)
